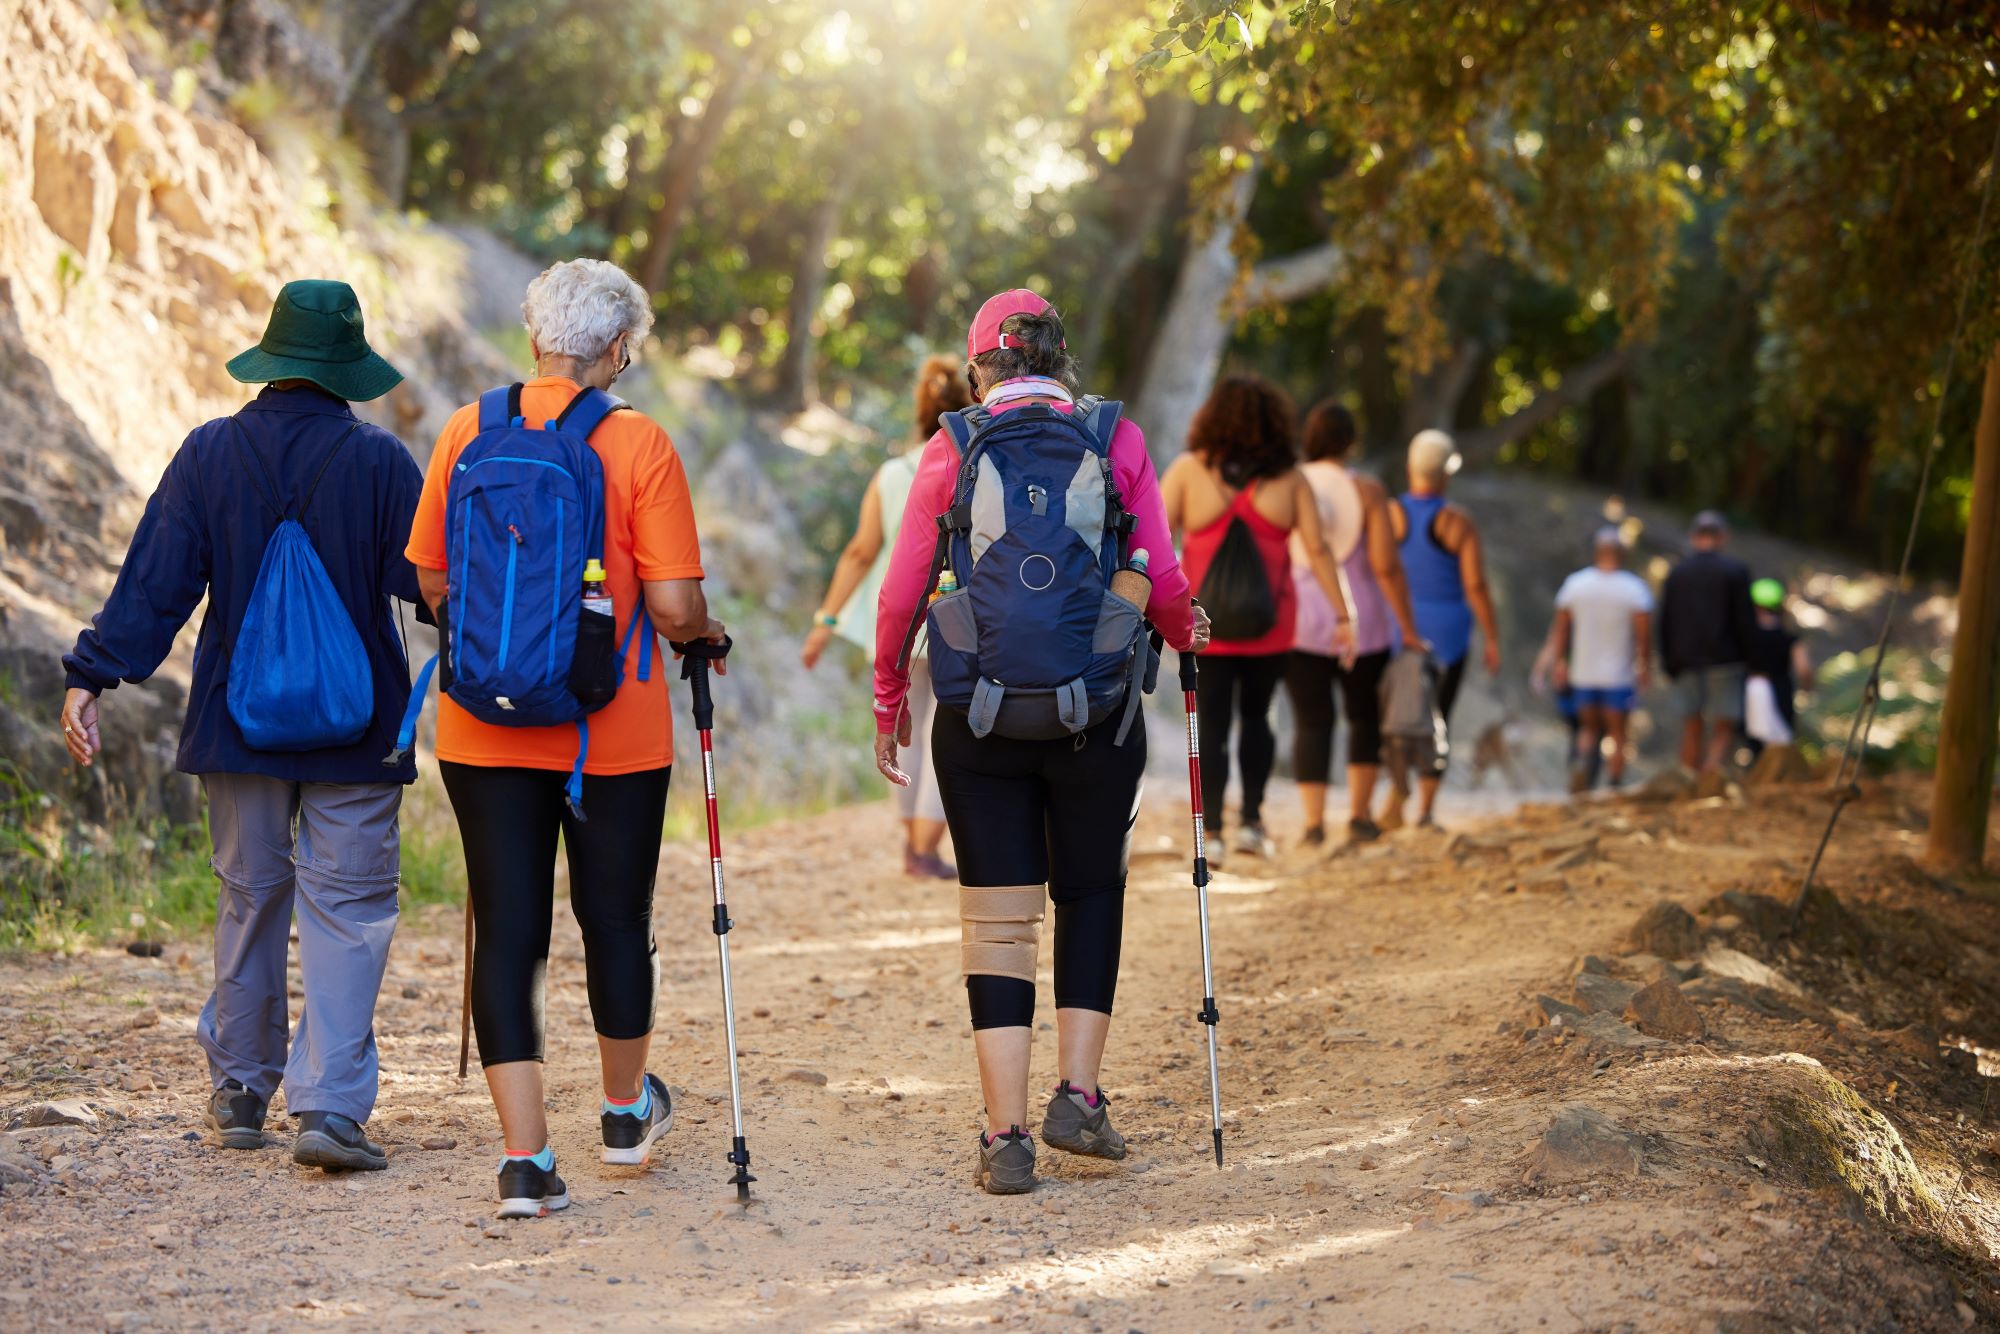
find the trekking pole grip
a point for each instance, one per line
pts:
(696, 654)
(1188, 670)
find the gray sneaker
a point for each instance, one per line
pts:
(1006, 1163)
(335, 1143)
(1076, 1126)
(237, 1116)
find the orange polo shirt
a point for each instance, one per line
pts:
(649, 534)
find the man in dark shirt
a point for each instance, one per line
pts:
(316, 826)
(1706, 629)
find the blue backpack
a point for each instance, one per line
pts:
(524, 512)
(299, 677)
(1033, 644)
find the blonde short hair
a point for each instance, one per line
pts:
(579, 307)
(1433, 456)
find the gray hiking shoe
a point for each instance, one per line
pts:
(1006, 1163)
(335, 1143)
(237, 1116)
(1075, 1125)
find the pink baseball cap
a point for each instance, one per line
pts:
(985, 335)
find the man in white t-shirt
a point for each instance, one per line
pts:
(1602, 640)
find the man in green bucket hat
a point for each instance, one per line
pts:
(310, 826)
(315, 335)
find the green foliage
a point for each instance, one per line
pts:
(59, 892)
(1905, 734)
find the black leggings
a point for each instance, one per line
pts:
(1058, 813)
(1309, 680)
(1448, 684)
(508, 820)
(1234, 685)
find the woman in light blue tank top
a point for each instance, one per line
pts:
(848, 610)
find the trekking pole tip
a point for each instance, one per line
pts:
(1217, 1132)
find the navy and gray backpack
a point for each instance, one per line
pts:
(1033, 644)
(524, 512)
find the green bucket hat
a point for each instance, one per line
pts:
(1768, 594)
(315, 334)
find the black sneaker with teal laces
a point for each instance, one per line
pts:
(628, 1137)
(529, 1190)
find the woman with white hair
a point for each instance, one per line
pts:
(1445, 564)
(511, 787)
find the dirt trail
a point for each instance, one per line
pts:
(1379, 1127)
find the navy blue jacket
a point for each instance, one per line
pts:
(204, 533)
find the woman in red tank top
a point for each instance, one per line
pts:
(1237, 496)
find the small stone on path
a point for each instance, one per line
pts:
(1665, 929)
(63, 1112)
(1596, 993)
(439, 1142)
(1582, 1143)
(1662, 1010)
(804, 1076)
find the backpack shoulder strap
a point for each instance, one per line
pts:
(964, 424)
(1100, 417)
(587, 411)
(320, 476)
(499, 407)
(266, 492)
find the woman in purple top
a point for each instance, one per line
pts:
(1353, 508)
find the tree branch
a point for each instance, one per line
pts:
(1575, 386)
(1296, 276)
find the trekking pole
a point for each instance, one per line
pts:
(695, 657)
(1209, 1015)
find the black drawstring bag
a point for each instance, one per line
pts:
(1237, 590)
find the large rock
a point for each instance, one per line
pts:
(1817, 1131)
(1581, 1144)
(1665, 929)
(1661, 1010)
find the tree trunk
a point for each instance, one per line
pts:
(683, 168)
(1193, 336)
(1158, 171)
(798, 371)
(1962, 793)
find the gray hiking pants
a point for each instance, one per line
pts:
(334, 849)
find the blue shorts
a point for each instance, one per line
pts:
(1616, 699)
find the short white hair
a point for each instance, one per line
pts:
(579, 307)
(1433, 456)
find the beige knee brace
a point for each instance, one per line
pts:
(1002, 930)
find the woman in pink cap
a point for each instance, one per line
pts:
(1034, 819)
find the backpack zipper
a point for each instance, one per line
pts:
(507, 598)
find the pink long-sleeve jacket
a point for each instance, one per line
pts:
(1169, 608)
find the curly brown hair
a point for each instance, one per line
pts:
(941, 388)
(1244, 430)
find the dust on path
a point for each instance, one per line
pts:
(1368, 1097)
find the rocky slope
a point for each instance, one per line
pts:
(140, 247)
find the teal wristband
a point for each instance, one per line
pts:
(822, 618)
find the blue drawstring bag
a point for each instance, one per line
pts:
(299, 677)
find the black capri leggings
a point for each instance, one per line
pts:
(508, 820)
(1309, 680)
(1058, 813)
(1237, 687)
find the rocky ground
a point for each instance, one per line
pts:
(1449, 1102)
